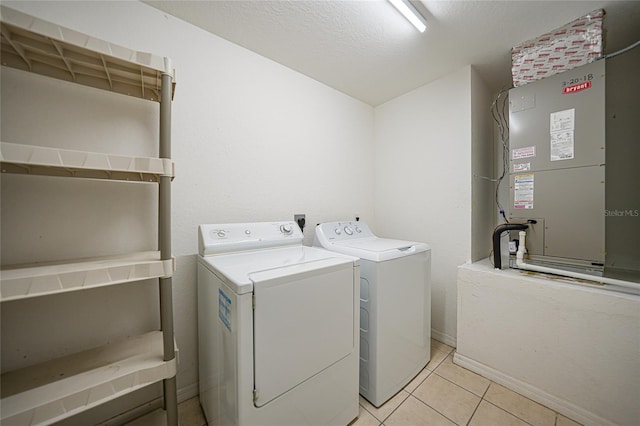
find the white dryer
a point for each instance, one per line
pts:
(395, 305)
(277, 328)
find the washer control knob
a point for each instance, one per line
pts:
(348, 230)
(222, 234)
(338, 231)
(286, 229)
(247, 232)
(358, 229)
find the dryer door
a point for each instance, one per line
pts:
(303, 323)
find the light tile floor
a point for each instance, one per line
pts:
(442, 394)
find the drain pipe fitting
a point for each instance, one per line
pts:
(497, 256)
(604, 280)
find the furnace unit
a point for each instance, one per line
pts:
(574, 161)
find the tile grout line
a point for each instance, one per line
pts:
(394, 410)
(430, 373)
(442, 414)
(462, 387)
(479, 402)
(529, 399)
(508, 412)
(448, 353)
(411, 393)
(374, 416)
(455, 384)
(474, 411)
(482, 398)
(365, 409)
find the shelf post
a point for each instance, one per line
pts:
(164, 245)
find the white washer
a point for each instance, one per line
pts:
(395, 305)
(277, 328)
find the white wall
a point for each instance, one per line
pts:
(423, 188)
(572, 347)
(252, 141)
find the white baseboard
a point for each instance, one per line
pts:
(565, 408)
(187, 392)
(444, 338)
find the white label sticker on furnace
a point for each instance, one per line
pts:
(521, 167)
(562, 126)
(523, 191)
(562, 145)
(224, 309)
(526, 152)
(562, 120)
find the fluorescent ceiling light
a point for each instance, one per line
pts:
(410, 12)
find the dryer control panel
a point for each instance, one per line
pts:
(232, 237)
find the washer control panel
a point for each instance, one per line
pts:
(340, 231)
(230, 237)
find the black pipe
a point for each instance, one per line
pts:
(497, 258)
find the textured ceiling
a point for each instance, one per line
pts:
(366, 49)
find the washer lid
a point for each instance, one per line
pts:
(238, 270)
(378, 249)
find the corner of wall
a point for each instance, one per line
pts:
(482, 169)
